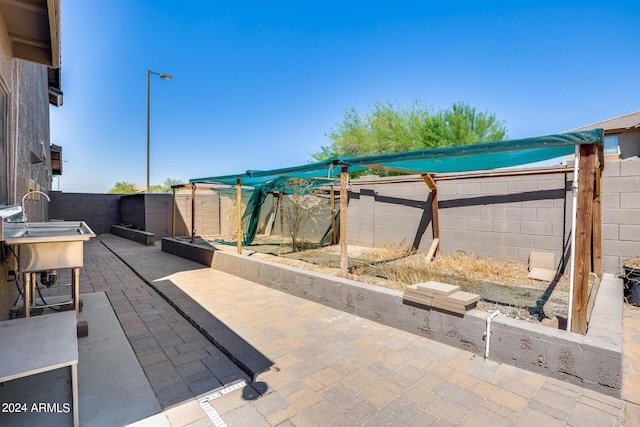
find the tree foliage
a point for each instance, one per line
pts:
(392, 129)
(124, 187)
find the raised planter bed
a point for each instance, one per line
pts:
(139, 236)
(592, 361)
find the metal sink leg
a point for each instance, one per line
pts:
(75, 290)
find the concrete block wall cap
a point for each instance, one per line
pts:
(603, 347)
(563, 338)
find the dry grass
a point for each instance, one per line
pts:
(632, 262)
(395, 266)
(410, 268)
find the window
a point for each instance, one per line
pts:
(611, 145)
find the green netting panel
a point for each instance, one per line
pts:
(480, 156)
(253, 199)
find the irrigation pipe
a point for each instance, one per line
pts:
(488, 339)
(574, 214)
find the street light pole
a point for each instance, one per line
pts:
(165, 77)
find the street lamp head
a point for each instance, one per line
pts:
(166, 76)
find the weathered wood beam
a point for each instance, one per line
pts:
(193, 213)
(386, 168)
(344, 197)
(435, 222)
(584, 223)
(333, 216)
(432, 250)
(239, 213)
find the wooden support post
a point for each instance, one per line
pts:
(193, 213)
(596, 243)
(173, 215)
(281, 207)
(435, 222)
(584, 223)
(239, 213)
(432, 249)
(344, 259)
(333, 215)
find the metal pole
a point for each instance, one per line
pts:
(193, 213)
(165, 77)
(148, 127)
(173, 215)
(574, 209)
(239, 213)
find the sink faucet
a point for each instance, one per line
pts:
(24, 213)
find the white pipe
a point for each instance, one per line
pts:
(488, 338)
(574, 214)
(16, 131)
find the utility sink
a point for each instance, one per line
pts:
(47, 245)
(46, 232)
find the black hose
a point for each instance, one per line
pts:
(39, 293)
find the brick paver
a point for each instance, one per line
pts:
(313, 365)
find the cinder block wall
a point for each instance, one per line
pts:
(503, 216)
(99, 211)
(620, 212)
(149, 212)
(207, 214)
(132, 211)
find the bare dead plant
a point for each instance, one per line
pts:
(300, 206)
(632, 262)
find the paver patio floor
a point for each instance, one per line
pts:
(315, 365)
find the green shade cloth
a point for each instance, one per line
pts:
(464, 158)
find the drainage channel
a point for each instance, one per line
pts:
(208, 409)
(182, 313)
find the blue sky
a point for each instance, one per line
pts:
(258, 85)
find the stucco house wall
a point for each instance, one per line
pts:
(26, 130)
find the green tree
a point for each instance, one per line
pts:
(463, 125)
(166, 186)
(392, 129)
(123, 188)
(129, 188)
(168, 183)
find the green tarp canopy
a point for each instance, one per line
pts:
(464, 158)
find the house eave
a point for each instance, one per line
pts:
(33, 27)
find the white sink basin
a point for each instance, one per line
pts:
(46, 232)
(48, 245)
